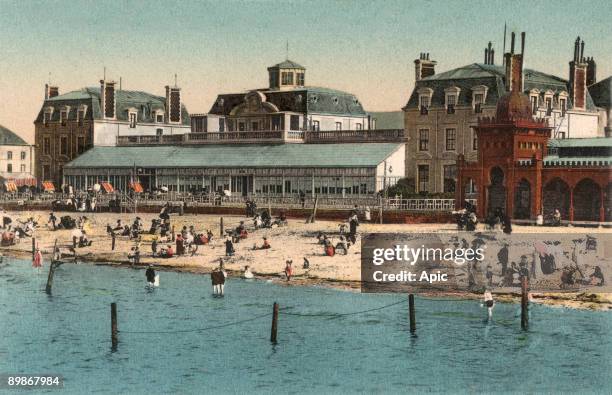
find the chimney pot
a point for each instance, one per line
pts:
(522, 43)
(53, 91)
(512, 43)
(492, 56)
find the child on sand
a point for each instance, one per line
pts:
(288, 270)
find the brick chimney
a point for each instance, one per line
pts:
(578, 76)
(108, 102)
(514, 66)
(424, 67)
(173, 104)
(51, 91)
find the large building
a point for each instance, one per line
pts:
(601, 92)
(287, 104)
(69, 124)
(16, 160)
(443, 110)
(520, 171)
(329, 170)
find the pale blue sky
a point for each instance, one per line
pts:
(365, 47)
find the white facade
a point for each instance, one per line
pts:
(16, 161)
(106, 131)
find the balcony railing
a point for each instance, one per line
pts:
(268, 136)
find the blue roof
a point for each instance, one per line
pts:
(8, 137)
(238, 156)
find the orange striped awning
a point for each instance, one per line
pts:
(10, 186)
(108, 188)
(20, 182)
(136, 187)
(48, 186)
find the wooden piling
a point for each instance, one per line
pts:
(33, 246)
(412, 313)
(113, 241)
(221, 231)
(49, 286)
(524, 303)
(274, 323)
(114, 330)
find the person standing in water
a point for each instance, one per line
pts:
(488, 302)
(150, 274)
(37, 260)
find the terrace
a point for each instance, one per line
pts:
(268, 137)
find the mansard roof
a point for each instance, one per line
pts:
(8, 137)
(491, 76)
(305, 100)
(146, 104)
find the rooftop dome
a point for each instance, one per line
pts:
(513, 105)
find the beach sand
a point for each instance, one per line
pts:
(293, 242)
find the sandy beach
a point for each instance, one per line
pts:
(293, 242)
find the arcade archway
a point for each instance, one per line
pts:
(587, 200)
(556, 195)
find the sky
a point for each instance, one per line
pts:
(366, 47)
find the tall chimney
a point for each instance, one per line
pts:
(108, 102)
(514, 66)
(173, 104)
(578, 76)
(51, 91)
(486, 58)
(423, 67)
(591, 71)
(46, 91)
(492, 55)
(582, 51)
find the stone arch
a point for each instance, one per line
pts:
(496, 191)
(556, 195)
(522, 200)
(587, 200)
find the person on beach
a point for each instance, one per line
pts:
(353, 224)
(134, 256)
(342, 245)
(37, 261)
(150, 274)
(597, 278)
(229, 247)
(502, 258)
(218, 277)
(306, 264)
(488, 302)
(288, 269)
(119, 226)
(53, 220)
(154, 247)
(167, 252)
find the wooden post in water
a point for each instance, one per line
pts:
(113, 241)
(114, 330)
(274, 323)
(412, 313)
(524, 303)
(33, 246)
(221, 232)
(49, 286)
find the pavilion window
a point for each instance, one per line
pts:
(287, 78)
(294, 122)
(300, 79)
(358, 126)
(338, 126)
(132, 120)
(159, 118)
(316, 126)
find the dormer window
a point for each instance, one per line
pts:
(158, 116)
(479, 97)
(132, 117)
(548, 101)
(81, 114)
(63, 117)
(287, 78)
(425, 100)
(534, 99)
(47, 115)
(452, 97)
(563, 102)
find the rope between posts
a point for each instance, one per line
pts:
(200, 329)
(282, 311)
(341, 314)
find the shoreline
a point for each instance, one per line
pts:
(569, 299)
(293, 242)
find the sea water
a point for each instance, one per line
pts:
(164, 346)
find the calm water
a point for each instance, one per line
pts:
(455, 351)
